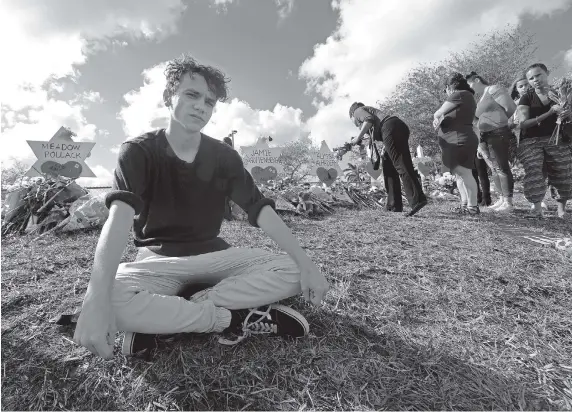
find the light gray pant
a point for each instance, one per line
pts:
(144, 294)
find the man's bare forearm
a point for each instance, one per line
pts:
(277, 230)
(110, 247)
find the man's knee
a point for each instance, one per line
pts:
(284, 268)
(121, 295)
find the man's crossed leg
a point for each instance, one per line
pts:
(244, 282)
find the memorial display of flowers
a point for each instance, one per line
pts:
(39, 202)
(447, 181)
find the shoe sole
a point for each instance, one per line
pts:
(295, 315)
(127, 344)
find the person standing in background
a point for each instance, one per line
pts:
(518, 89)
(494, 108)
(457, 139)
(538, 115)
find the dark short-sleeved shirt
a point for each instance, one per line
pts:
(537, 108)
(182, 205)
(373, 116)
(461, 119)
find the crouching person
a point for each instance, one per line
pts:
(170, 185)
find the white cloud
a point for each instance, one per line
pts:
(54, 38)
(283, 123)
(285, 7)
(145, 111)
(568, 58)
(42, 44)
(104, 178)
(91, 96)
(40, 123)
(373, 47)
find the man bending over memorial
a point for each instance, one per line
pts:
(171, 184)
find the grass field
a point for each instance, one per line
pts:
(432, 312)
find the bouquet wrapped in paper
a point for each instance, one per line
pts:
(562, 96)
(86, 212)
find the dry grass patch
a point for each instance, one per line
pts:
(432, 312)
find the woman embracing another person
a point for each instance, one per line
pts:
(457, 139)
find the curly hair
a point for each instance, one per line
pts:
(512, 89)
(177, 68)
(459, 82)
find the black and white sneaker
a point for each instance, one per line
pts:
(143, 343)
(275, 320)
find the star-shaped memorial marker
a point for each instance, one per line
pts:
(325, 165)
(262, 161)
(61, 156)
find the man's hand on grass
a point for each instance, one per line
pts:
(314, 284)
(96, 328)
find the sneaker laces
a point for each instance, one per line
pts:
(257, 327)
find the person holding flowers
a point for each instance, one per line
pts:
(393, 134)
(518, 89)
(457, 139)
(539, 116)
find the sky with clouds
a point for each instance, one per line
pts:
(295, 65)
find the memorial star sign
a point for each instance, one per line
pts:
(262, 161)
(325, 165)
(61, 156)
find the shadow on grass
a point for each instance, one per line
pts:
(391, 373)
(42, 377)
(344, 364)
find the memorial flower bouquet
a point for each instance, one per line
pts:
(38, 201)
(447, 181)
(562, 96)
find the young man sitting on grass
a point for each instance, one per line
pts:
(171, 184)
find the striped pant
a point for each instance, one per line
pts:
(540, 159)
(145, 292)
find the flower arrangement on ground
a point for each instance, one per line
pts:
(447, 181)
